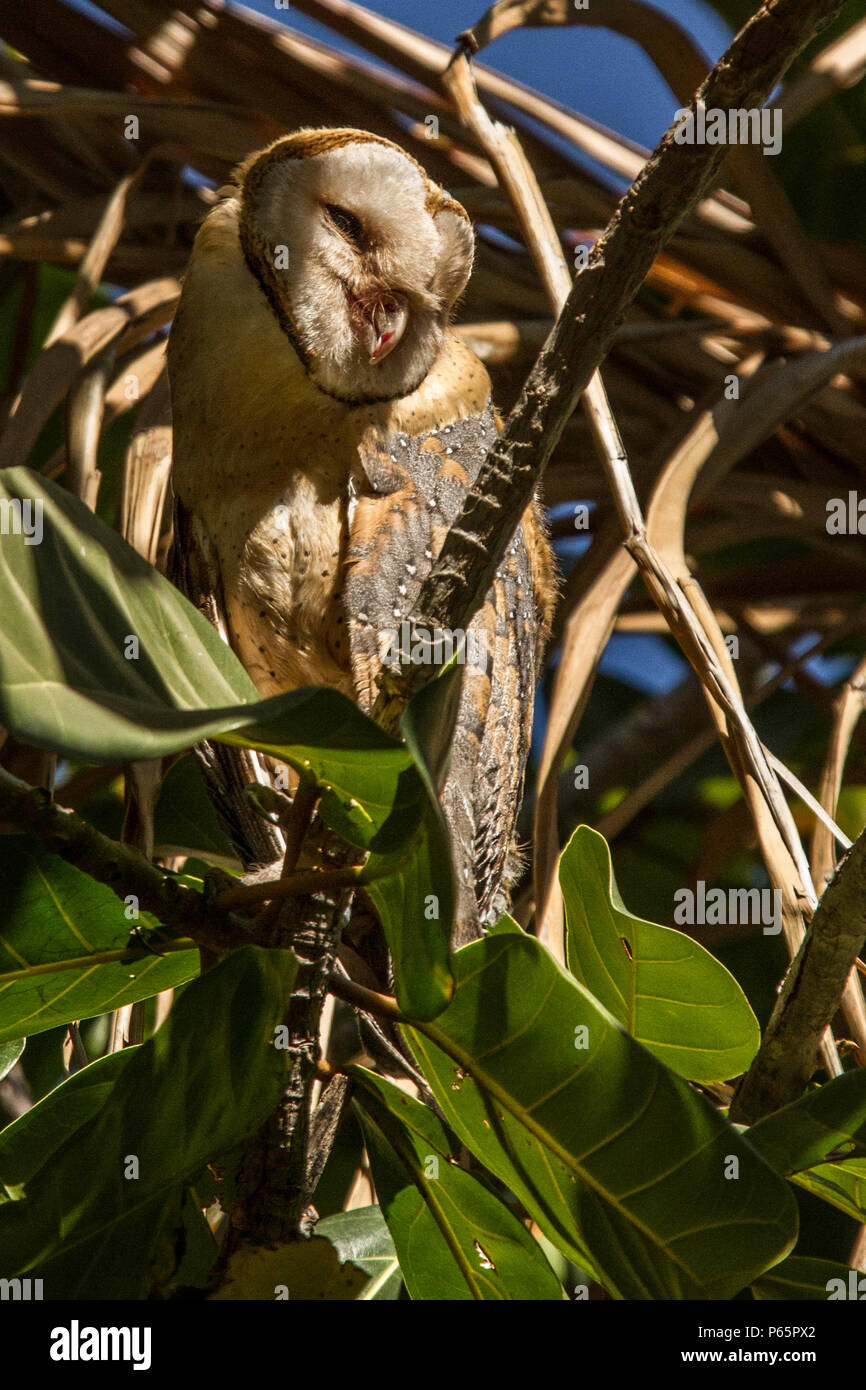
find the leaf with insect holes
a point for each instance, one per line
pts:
(663, 987)
(618, 1160)
(455, 1238)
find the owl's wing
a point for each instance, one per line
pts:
(415, 487)
(194, 569)
(514, 624)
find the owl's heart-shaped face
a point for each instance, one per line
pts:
(361, 256)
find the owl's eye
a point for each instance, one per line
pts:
(351, 227)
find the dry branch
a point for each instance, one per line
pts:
(810, 995)
(671, 183)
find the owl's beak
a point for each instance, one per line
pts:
(379, 324)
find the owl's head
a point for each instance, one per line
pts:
(361, 256)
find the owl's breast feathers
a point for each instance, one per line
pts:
(322, 519)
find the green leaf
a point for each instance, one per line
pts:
(800, 1277)
(843, 1185)
(70, 604)
(665, 989)
(455, 1239)
(362, 1236)
(428, 725)
(206, 1080)
(374, 797)
(378, 800)
(9, 1054)
(34, 1138)
(57, 923)
(623, 1166)
(416, 904)
(185, 821)
(831, 1119)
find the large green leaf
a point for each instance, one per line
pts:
(379, 800)
(664, 988)
(196, 1090)
(455, 1239)
(71, 603)
(620, 1162)
(56, 916)
(34, 1138)
(831, 1119)
(70, 606)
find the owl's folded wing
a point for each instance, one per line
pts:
(415, 490)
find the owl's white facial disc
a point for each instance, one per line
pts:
(366, 259)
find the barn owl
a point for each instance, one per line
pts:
(328, 424)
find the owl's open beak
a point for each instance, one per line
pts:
(379, 323)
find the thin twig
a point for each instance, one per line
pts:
(370, 1000)
(303, 881)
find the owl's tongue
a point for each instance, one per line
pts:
(379, 323)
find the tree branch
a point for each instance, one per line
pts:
(810, 995)
(673, 180)
(122, 868)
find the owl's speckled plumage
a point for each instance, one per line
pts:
(327, 426)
